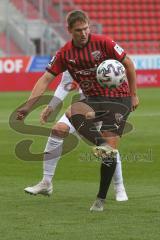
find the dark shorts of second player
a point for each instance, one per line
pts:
(113, 112)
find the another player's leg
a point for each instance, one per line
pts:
(113, 140)
(119, 188)
(52, 154)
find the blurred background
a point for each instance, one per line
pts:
(37, 27)
(30, 27)
(31, 31)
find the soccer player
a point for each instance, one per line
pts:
(55, 144)
(80, 57)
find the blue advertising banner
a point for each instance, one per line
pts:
(38, 63)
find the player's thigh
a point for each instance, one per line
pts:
(60, 129)
(66, 121)
(115, 120)
(80, 107)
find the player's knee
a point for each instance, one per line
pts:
(60, 130)
(112, 143)
(111, 138)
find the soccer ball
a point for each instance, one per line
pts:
(111, 74)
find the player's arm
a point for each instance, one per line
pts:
(118, 53)
(131, 76)
(38, 90)
(54, 67)
(58, 97)
(62, 90)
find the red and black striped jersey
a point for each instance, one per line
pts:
(82, 64)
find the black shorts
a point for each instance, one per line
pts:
(113, 112)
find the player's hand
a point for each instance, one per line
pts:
(134, 102)
(46, 112)
(22, 112)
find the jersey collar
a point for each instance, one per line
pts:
(89, 37)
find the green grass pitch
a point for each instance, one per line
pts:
(65, 215)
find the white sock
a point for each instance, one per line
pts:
(52, 154)
(118, 177)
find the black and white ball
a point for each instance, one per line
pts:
(111, 73)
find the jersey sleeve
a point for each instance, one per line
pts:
(60, 93)
(56, 65)
(115, 51)
(62, 89)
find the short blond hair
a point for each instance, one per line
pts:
(76, 15)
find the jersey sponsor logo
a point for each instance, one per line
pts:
(118, 49)
(86, 85)
(87, 72)
(96, 55)
(72, 61)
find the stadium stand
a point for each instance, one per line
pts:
(13, 38)
(44, 10)
(135, 26)
(10, 46)
(31, 9)
(28, 8)
(27, 28)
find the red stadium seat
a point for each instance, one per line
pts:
(13, 47)
(136, 26)
(30, 10)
